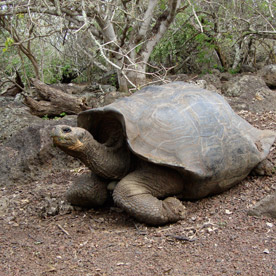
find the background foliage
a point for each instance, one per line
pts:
(226, 35)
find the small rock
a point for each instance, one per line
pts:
(266, 251)
(266, 206)
(269, 224)
(99, 220)
(53, 207)
(228, 212)
(268, 73)
(4, 204)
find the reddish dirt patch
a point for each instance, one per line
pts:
(216, 238)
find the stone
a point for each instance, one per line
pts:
(14, 117)
(26, 150)
(211, 79)
(268, 74)
(266, 207)
(250, 93)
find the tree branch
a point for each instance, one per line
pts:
(109, 61)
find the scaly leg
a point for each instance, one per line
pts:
(88, 190)
(138, 194)
(265, 167)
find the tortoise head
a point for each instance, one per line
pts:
(102, 158)
(70, 139)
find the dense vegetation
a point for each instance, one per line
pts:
(62, 41)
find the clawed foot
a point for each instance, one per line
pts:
(176, 210)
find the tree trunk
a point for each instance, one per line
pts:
(221, 56)
(238, 56)
(148, 37)
(135, 75)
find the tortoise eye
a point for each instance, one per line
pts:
(66, 129)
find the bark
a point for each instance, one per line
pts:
(147, 18)
(136, 74)
(238, 55)
(54, 102)
(221, 56)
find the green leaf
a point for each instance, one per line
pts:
(20, 15)
(9, 42)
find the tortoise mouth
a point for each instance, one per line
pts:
(62, 141)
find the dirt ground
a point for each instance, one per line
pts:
(216, 238)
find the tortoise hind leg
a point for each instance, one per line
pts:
(138, 194)
(265, 167)
(88, 190)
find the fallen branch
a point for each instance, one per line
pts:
(54, 101)
(16, 88)
(180, 238)
(63, 230)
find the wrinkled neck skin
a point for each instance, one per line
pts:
(110, 162)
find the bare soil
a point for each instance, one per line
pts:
(216, 238)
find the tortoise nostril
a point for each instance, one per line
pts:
(66, 129)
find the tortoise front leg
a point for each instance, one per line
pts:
(88, 190)
(139, 195)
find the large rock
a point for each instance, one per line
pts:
(266, 207)
(211, 79)
(13, 117)
(178, 77)
(240, 85)
(268, 73)
(248, 69)
(226, 76)
(26, 148)
(249, 93)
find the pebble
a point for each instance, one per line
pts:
(4, 204)
(266, 251)
(120, 264)
(228, 212)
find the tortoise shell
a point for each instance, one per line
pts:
(185, 127)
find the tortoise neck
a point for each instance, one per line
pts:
(111, 162)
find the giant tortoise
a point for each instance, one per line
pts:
(162, 144)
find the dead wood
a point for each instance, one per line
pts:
(15, 88)
(54, 101)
